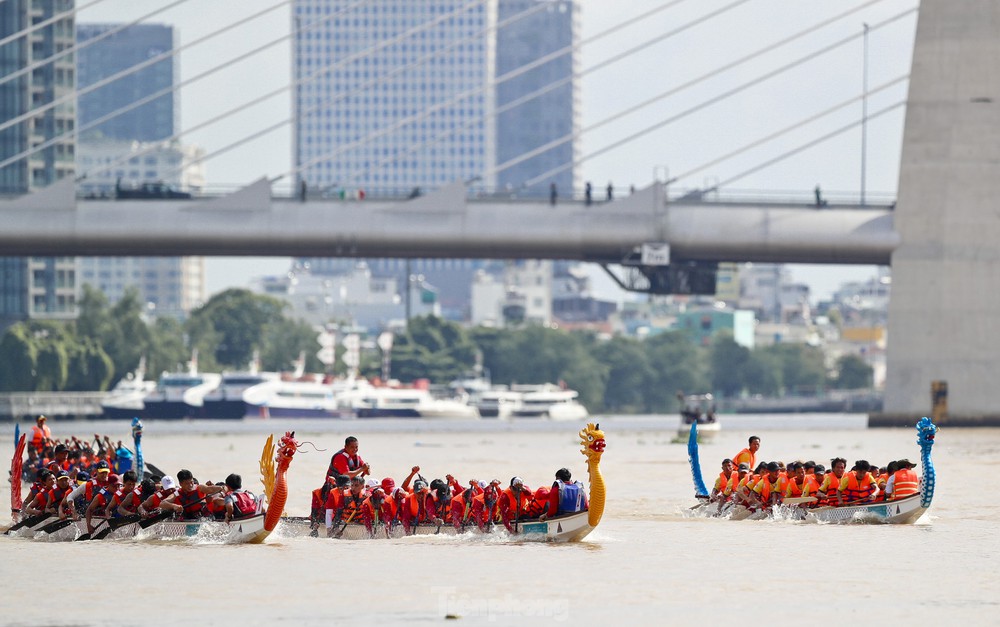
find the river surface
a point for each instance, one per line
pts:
(647, 563)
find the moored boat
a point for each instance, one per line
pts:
(390, 402)
(549, 401)
(905, 510)
(698, 408)
(126, 399)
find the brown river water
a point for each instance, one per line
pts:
(647, 563)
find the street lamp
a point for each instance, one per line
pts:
(864, 113)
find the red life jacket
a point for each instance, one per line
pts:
(244, 504)
(192, 503)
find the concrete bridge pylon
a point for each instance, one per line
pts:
(944, 315)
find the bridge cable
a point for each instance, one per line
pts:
(76, 47)
(508, 76)
(24, 32)
(167, 90)
(555, 84)
(258, 99)
(71, 97)
(359, 89)
(788, 129)
(689, 111)
(806, 146)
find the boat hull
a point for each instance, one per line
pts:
(567, 528)
(247, 530)
(904, 511)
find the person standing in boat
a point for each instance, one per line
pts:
(566, 496)
(41, 435)
(347, 462)
(749, 454)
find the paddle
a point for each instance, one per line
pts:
(87, 536)
(30, 521)
(799, 500)
(343, 527)
(116, 523)
(53, 527)
(152, 520)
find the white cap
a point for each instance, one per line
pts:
(372, 483)
(168, 482)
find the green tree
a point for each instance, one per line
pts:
(628, 374)
(90, 368)
(167, 351)
(852, 373)
(284, 340)
(762, 374)
(432, 348)
(231, 326)
(802, 367)
(677, 365)
(728, 361)
(20, 354)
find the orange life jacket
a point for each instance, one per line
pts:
(855, 490)
(746, 456)
(39, 435)
(906, 483)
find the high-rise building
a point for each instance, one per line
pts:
(526, 122)
(115, 53)
(36, 95)
(360, 123)
(397, 95)
(126, 149)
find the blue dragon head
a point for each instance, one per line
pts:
(136, 427)
(926, 430)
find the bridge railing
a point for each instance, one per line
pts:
(479, 193)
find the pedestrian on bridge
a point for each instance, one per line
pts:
(587, 191)
(611, 192)
(553, 194)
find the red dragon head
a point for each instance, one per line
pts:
(286, 450)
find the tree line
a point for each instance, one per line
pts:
(620, 374)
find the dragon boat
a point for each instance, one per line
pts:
(903, 511)
(571, 527)
(249, 530)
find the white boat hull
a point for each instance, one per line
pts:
(237, 532)
(904, 511)
(566, 528)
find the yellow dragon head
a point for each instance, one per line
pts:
(592, 441)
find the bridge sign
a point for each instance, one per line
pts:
(656, 254)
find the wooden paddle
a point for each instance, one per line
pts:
(799, 500)
(116, 523)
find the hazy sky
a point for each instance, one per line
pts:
(742, 28)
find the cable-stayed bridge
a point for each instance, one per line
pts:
(939, 237)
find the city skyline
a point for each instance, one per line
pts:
(700, 137)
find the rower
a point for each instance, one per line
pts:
(40, 501)
(129, 480)
(566, 496)
(831, 482)
(376, 510)
(722, 480)
(905, 481)
(858, 485)
(101, 500)
(513, 502)
(239, 503)
(768, 491)
(167, 489)
(189, 500)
